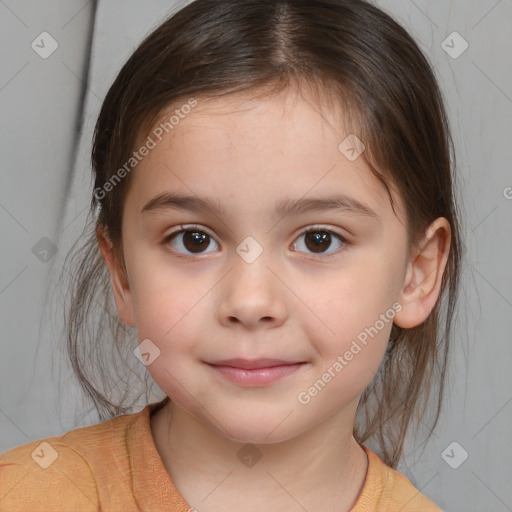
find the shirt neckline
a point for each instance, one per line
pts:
(154, 489)
(152, 486)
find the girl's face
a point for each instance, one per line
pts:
(244, 288)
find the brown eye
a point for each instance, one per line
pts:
(318, 241)
(189, 241)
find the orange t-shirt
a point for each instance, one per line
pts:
(115, 466)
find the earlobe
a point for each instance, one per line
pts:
(423, 279)
(120, 287)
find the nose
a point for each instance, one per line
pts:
(251, 295)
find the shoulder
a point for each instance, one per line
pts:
(386, 490)
(406, 496)
(48, 475)
(62, 472)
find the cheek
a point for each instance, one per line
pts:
(167, 312)
(352, 317)
(171, 315)
(350, 301)
(163, 298)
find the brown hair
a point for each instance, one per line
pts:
(347, 50)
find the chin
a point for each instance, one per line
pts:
(260, 429)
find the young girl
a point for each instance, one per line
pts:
(274, 205)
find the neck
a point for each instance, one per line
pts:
(324, 465)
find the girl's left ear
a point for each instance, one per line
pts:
(424, 275)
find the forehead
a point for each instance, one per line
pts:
(241, 144)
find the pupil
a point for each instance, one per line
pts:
(320, 239)
(194, 240)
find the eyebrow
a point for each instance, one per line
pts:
(283, 208)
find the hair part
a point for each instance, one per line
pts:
(345, 51)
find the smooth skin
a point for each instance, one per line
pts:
(294, 302)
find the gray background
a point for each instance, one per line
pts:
(48, 111)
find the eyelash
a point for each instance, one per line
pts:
(315, 229)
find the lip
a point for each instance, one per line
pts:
(253, 364)
(255, 372)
